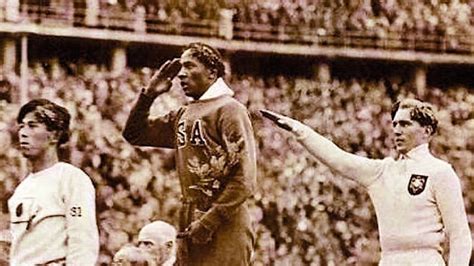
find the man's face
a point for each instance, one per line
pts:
(408, 133)
(194, 76)
(34, 137)
(160, 251)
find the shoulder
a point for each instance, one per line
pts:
(439, 167)
(233, 109)
(386, 162)
(73, 174)
(442, 173)
(232, 103)
(381, 169)
(71, 169)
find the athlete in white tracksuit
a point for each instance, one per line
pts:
(417, 198)
(52, 211)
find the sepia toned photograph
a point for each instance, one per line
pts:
(237, 132)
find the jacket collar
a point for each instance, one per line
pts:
(217, 89)
(417, 153)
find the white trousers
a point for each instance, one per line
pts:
(420, 257)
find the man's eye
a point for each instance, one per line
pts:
(146, 243)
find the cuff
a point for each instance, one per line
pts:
(145, 99)
(301, 132)
(211, 221)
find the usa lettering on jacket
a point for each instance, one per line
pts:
(195, 137)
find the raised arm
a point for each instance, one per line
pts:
(140, 129)
(358, 168)
(451, 206)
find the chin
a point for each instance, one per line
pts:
(401, 150)
(26, 155)
(30, 155)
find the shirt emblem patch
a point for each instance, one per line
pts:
(19, 210)
(417, 184)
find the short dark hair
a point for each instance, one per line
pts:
(420, 111)
(55, 117)
(208, 56)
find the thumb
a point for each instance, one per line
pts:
(182, 234)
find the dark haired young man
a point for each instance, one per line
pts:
(215, 156)
(417, 198)
(52, 211)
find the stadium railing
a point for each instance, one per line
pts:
(115, 18)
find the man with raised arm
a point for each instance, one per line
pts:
(215, 157)
(417, 197)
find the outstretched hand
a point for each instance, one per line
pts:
(161, 81)
(285, 122)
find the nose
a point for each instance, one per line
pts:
(397, 130)
(22, 133)
(182, 73)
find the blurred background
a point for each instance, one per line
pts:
(336, 65)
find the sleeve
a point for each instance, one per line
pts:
(235, 127)
(142, 131)
(448, 195)
(363, 170)
(81, 224)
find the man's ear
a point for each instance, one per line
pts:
(212, 74)
(169, 244)
(54, 137)
(429, 130)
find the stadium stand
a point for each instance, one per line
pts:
(304, 214)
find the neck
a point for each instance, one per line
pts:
(42, 162)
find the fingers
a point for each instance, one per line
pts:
(279, 120)
(196, 233)
(173, 68)
(169, 69)
(163, 66)
(182, 234)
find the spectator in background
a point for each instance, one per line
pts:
(52, 211)
(417, 197)
(5, 91)
(215, 156)
(159, 239)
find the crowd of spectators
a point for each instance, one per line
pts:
(392, 24)
(379, 18)
(303, 213)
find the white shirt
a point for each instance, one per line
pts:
(417, 200)
(52, 217)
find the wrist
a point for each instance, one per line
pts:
(301, 132)
(149, 93)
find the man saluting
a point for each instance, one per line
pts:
(215, 156)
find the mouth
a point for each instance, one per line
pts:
(24, 144)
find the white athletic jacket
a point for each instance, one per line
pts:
(52, 218)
